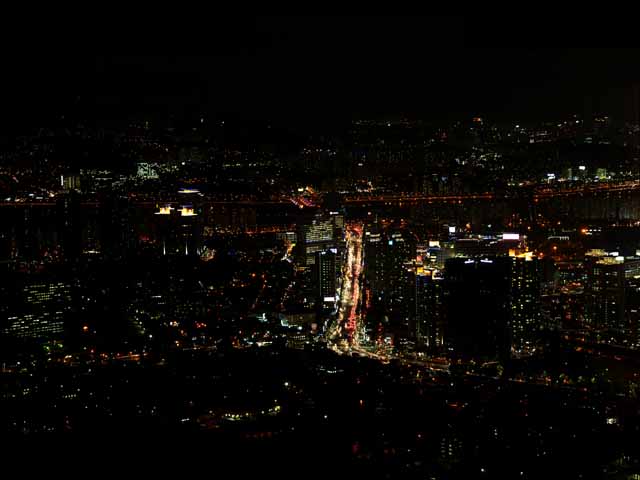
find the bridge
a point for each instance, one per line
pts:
(534, 193)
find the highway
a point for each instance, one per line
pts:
(346, 332)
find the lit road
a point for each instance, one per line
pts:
(347, 318)
(346, 333)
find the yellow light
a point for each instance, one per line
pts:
(165, 210)
(187, 212)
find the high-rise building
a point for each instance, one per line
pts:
(374, 260)
(429, 308)
(477, 303)
(41, 310)
(525, 316)
(314, 237)
(117, 237)
(70, 182)
(327, 271)
(385, 273)
(179, 230)
(69, 225)
(609, 279)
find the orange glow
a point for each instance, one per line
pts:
(165, 210)
(85, 328)
(187, 212)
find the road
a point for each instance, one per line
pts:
(347, 331)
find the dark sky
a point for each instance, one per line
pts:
(322, 69)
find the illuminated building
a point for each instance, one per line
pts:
(327, 271)
(287, 237)
(437, 255)
(386, 254)
(179, 230)
(338, 222)
(41, 312)
(374, 260)
(146, 171)
(609, 278)
(429, 308)
(525, 316)
(314, 237)
(70, 182)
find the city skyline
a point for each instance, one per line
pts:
(378, 247)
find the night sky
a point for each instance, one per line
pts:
(320, 70)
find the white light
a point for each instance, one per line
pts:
(582, 167)
(511, 236)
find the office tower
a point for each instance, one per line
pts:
(40, 310)
(314, 237)
(164, 229)
(179, 230)
(70, 182)
(69, 225)
(399, 249)
(338, 223)
(605, 298)
(115, 218)
(608, 281)
(327, 276)
(189, 231)
(23, 242)
(632, 310)
(374, 261)
(477, 303)
(386, 254)
(525, 303)
(429, 308)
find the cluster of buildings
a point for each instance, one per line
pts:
(465, 296)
